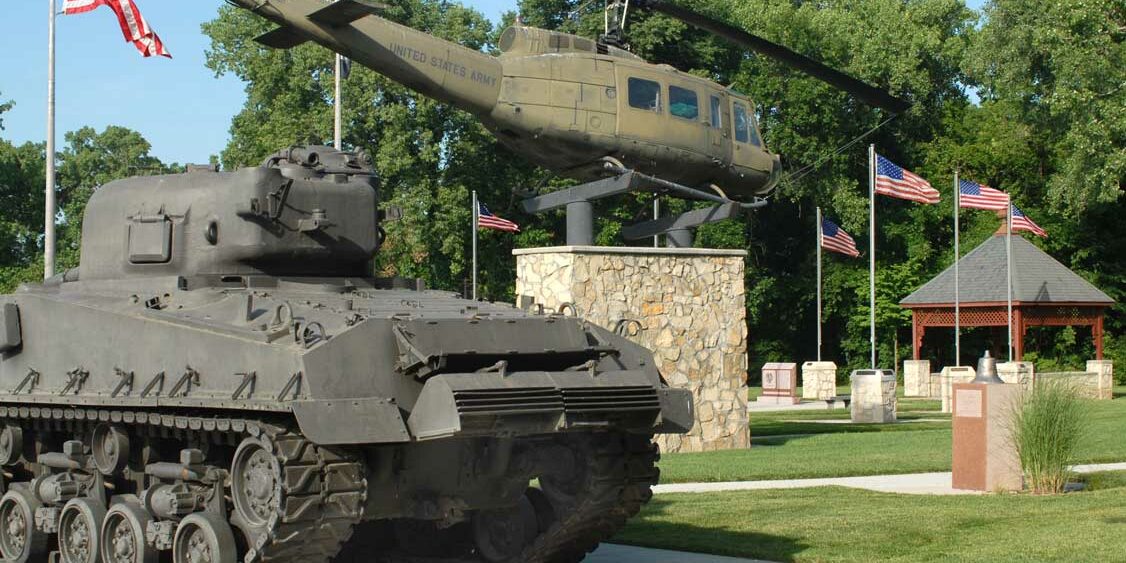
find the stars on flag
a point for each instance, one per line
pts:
(973, 195)
(892, 180)
(487, 220)
(835, 239)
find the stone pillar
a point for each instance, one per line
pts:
(1020, 373)
(689, 306)
(873, 395)
(917, 378)
(818, 380)
(951, 375)
(985, 455)
(1104, 371)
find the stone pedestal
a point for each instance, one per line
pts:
(949, 376)
(873, 396)
(1104, 372)
(687, 305)
(818, 380)
(917, 378)
(1018, 373)
(985, 456)
(779, 384)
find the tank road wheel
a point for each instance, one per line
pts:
(255, 484)
(501, 534)
(11, 444)
(203, 537)
(80, 526)
(110, 446)
(123, 535)
(20, 541)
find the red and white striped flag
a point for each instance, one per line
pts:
(1021, 222)
(979, 196)
(133, 26)
(834, 238)
(895, 181)
(486, 220)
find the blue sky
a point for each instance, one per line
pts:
(178, 104)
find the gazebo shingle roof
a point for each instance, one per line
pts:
(1037, 278)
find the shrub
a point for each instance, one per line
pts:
(1047, 426)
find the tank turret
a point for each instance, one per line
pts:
(307, 211)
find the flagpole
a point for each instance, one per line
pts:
(476, 207)
(656, 215)
(957, 256)
(338, 111)
(49, 184)
(872, 248)
(819, 236)
(1009, 273)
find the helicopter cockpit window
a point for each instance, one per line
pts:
(645, 94)
(717, 113)
(684, 103)
(755, 139)
(742, 123)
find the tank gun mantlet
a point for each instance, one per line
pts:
(521, 41)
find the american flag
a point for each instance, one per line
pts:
(834, 238)
(977, 196)
(133, 26)
(1021, 222)
(486, 220)
(894, 181)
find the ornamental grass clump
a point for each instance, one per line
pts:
(1047, 426)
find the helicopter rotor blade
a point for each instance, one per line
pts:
(862, 91)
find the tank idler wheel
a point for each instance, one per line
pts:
(255, 484)
(11, 444)
(123, 535)
(204, 537)
(80, 526)
(110, 446)
(501, 534)
(20, 540)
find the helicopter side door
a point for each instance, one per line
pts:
(719, 129)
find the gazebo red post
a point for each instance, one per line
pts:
(917, 332)
(1018, 333)
(1097, 333)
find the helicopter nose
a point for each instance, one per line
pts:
(775, 175)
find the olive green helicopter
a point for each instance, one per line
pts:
(576, 106)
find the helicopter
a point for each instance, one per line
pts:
(571, 104)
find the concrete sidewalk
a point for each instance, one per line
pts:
(612, 553)
(911, 483)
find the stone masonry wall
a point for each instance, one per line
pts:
(689, 305)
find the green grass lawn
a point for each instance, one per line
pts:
(789, 445)
(838, 524)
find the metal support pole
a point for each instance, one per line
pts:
(1009, 273)
(819, 235)
(872, 248)
(957, 256)
(338, 108)
(476, 208)
(656, 215)
(580, 223)
(49, 187)
(679, 238)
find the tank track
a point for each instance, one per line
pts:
(320, 495)
(621, 471)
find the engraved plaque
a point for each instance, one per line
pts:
(967, 403)
(783, 380)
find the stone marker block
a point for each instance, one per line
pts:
(1104, 372)
(818, 380)
(1019, 373)
(985, 456)
(949, 376)
(873, 395)
(779, 384)
(917, 378)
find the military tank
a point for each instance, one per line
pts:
(221, 379)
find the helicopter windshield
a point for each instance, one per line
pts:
(745, 131)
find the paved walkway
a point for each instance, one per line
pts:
(911, 483)
(611, 553)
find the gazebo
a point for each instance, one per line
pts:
(1045, 293)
